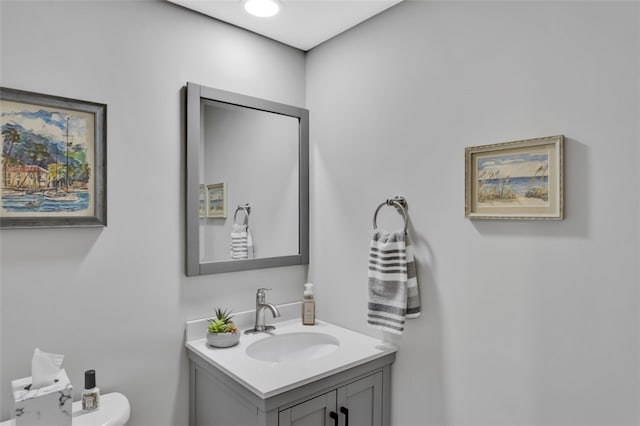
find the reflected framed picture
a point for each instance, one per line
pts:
(217, 200)
(515, 180)
(202, 206)
(53, 161)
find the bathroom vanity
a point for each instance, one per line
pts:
(321, 375)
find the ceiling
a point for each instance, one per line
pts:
(302, 24)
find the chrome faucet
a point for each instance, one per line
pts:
(261, 306)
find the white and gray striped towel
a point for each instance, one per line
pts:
(393, 284)
(241, 242)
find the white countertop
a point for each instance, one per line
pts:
(267, 379)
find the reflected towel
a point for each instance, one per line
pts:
(249, 244)
(393, 285)
(239, 242)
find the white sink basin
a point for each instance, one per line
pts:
(301, 346)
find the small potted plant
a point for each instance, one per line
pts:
(222, 331)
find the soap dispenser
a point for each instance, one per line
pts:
(308, 306)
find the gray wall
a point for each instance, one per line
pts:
(116, 299)
(523, 323)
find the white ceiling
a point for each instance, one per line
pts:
(302, 24)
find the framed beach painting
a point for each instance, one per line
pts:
(53, 161)
(217, 200)
(515, 180)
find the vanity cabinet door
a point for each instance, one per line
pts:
(360, 402)
(314, 412)
(357, 404)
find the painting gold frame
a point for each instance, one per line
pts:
(217, 200)
(516, 180)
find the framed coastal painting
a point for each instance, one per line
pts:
(515, 180)
(53, 161)
(217, 200)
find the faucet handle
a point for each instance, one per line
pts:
(260, 296)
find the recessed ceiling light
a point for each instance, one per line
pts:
(262, 8)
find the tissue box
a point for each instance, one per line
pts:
(47, 406)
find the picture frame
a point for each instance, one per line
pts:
(202, 206)
(217, 200)
(53, 162)
(516, 180)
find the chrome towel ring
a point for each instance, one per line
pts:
(246, 209)
(401, 206)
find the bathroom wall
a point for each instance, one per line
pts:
(115, 299)
(524, 323)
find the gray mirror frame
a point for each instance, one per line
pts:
(195, 93)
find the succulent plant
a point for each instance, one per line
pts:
(222, 322)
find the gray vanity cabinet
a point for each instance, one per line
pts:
(358, 396)
(357, 404)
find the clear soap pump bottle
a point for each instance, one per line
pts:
(308, 306)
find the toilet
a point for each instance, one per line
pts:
(114, 411)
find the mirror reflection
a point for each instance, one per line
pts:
(247, 203)
(249, 169)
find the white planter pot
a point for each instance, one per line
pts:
(223, 340)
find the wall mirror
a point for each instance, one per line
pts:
(247, 195)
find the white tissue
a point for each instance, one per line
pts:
(44, 368)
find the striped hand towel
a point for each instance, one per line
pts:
(393, 285)
(249, 244)
(239, 239)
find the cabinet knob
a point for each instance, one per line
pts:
(345, 411)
